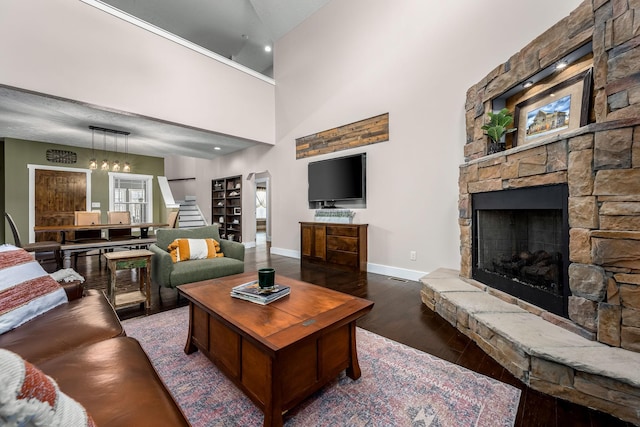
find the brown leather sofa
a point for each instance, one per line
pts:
(83, 347)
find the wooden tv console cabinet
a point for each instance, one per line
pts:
(334, 245)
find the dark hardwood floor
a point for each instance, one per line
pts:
(398, 314)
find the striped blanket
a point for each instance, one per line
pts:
(26, 290)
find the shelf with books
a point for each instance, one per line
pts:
(226, 200)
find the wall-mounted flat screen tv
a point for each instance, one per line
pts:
(342, 178)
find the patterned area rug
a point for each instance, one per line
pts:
(399, 386)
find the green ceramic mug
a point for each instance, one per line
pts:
(266, 277)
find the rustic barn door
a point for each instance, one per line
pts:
(57, 195)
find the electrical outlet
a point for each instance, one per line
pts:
(412, 255)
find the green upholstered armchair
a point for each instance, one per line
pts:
(164, 272)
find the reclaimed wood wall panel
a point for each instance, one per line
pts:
(365, 132)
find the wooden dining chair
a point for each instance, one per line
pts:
(87, 218)
(173, 219)
(49, 247)
(87, 236)
(120, 217)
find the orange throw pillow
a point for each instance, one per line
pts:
(187, 249)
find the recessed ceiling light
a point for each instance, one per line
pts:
(267, 48)
(216, 148)
(562, 64)
(527, 84)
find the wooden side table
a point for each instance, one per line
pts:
(125, 260)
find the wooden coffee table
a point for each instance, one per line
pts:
(280, 353)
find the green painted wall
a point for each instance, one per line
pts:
(17, 154)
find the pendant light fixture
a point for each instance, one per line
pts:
(93, 164)
(105, 161)
(127, 166)
(116, 163)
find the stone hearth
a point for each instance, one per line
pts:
(538, 347)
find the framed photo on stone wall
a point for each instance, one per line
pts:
(555, 111)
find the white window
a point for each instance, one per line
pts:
(133, 193)
(261, 202)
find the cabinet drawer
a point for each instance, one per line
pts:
(340, 243)
(343, 258)
(342, 231)
(131, 263)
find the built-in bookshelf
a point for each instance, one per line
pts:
(226, 206)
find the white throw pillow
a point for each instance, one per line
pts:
(26, 290)
(28, 397)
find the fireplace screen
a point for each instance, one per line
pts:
(525, 246)
(521, 244)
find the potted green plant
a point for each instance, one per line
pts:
(496, 129)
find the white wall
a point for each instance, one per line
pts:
(72, 50)
(414, 59)
(180, 171)
(351, 60)
(258, 159)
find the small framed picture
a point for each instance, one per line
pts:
(237, 211)
(555, 111)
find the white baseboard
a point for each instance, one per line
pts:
(285, 252)
(384, 270)
(402, 273)
(249, 245)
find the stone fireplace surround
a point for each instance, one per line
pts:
(535, 345)
(600, 163)
(604, 219)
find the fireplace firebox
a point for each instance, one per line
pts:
(521, 244)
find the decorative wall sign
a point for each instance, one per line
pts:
(558, 110)
(364, 132)
(62, 156)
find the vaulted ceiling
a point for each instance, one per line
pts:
(238, 30)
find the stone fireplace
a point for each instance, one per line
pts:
(599, 163)
(566, 263)
(603, 220)
(600, 290)
(520, 244)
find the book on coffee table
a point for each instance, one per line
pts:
(252, 291)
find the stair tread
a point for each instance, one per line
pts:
(189, 215)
